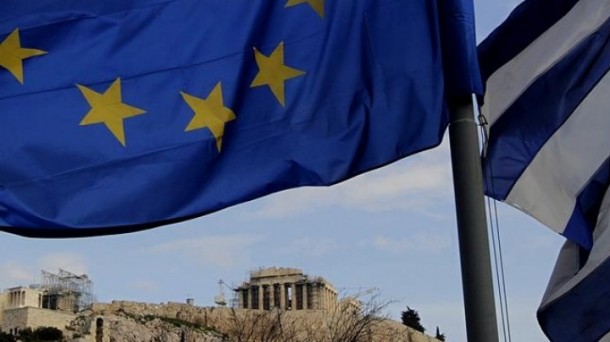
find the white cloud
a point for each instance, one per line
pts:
(417, 184)
(220, 251)
(313, 246)
(70, 262)
(420, 243)
(14, 274)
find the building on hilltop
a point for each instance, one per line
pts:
(66, 291)
(286, 289)
(53, 303)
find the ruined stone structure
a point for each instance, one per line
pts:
(286, 289)
(118, 320)
(32, 317)
(12, 301)
(66, 291)
(308, 311)
(52, 303)
(18, 297)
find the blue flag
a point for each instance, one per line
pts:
(548, 154)
(121, 115)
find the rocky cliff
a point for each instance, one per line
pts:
(123, 321)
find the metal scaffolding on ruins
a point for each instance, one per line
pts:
(67, 284)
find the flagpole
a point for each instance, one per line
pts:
(477, 283)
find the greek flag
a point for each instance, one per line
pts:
(548, 108)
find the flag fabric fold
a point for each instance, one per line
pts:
(462, 73)
(576, 305)
(548, 148)
(548, 152)
(118, 116)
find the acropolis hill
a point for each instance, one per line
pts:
(275, 304)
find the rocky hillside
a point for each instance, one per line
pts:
(126, 327)
(123, 321)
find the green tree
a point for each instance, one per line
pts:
(439, 336)
(48, 334)
(26, 335)
(41, 334)
(5, 337)
(411, 319)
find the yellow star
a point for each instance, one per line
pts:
(109, 109)
(273, 73)
(317, 5)
(210, 113)
(12, 55)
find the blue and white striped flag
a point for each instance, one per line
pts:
(548, 108)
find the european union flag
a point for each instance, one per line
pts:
(121, 115)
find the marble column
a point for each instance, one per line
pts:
(282, 296)
(271, 296)
(305, 296)
(250, 293)
(240, 293)
(293, 305)
(261, 294)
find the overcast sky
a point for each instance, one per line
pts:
(393, 229)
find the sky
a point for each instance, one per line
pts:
(393, 229)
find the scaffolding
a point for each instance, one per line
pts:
(66, 291)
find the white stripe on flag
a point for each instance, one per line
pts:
(511, 80)
(570, 158)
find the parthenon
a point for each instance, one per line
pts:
(286, 289)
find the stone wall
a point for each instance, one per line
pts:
(2, 308)
(303, 325)
(33, 297)
(122, 327)
(273, 272)
(14, 319)
(21, 318)
(131, 322)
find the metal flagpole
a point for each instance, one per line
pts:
(477, 283)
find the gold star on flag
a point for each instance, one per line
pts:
(12, 55)
(317, 5)
(109, 109)
(273, 72)
(210, 112)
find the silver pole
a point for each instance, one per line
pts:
(477, 283)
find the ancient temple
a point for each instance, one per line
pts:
(287, 289)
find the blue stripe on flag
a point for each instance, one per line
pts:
(582, 222)
(523, 26)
